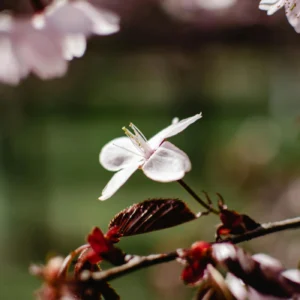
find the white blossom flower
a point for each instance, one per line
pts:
(159, 159)
(43, 42)
(292, 10)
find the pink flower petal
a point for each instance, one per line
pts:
(42, 43)
(215, 4)
(292, 274)
(271, 6)
(167, 163)
(11, 71)
(103, 22)
(74, 46)
(243, 292)
(236, 286)
(267, 260)
(81, 17)
(66, 18)
(223, 251)
(41, 52)
(11, 68)
(292, 9)
(118, 154)
(172, 130)
(117, 181)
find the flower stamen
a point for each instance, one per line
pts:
(137, 131)
(138, 140)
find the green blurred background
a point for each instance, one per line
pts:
(246, 147)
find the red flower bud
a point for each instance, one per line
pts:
(197, 258)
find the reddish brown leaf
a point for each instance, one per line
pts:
(102, 248)
(151, 215)
(97, 241)
(233, 223)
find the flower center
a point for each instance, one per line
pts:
(138, 140)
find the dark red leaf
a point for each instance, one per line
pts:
(150, 215)
(113, 234)
(230, 218)
(249, 223)
(102, 248)
(91, 256)
(234, 223)
(97, 241)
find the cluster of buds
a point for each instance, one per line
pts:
(56, 286)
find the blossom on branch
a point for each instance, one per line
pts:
(42, 43)
(159, 159)
(258, 277)
(292, 10)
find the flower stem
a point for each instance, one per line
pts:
(197, 198)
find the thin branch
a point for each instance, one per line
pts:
(135, 263)
(139, 262)
(265, 229)
(196, 197)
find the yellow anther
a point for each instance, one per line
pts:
(293, 6)
(127, 132)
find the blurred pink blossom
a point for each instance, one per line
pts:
(214, 14)
(214, 4)
(42, 43)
